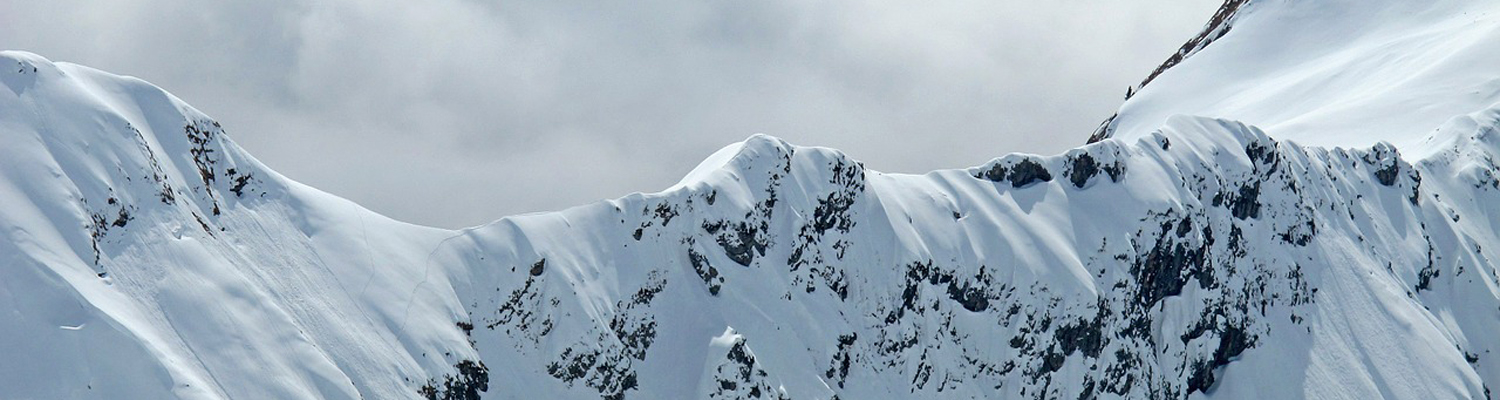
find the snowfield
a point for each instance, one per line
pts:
(1302, 207)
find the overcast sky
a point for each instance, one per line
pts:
(454, 113)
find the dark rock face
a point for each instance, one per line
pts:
(1086, 335)
(201, 135)
(1105, 130)
(745, 239)
(472, 379)
(741, 377)
(838, 369)
(1165, 268)
(605, 361)
(706, 271)
(1082, 165)
(536, 269)
(742, 242)
(610, 374)
(524, 312)
(1218, 25)
(164, 191)
(1425, 276)
(1020, 174)
(636, 331)
(1232, 341)
(1081, 168)
(1027, 172)
(973, 294)
(1387, 174)
(238, 181)
(820, 242)
(971, 298)
(99, 225)
(1200, 247)
(1387, 167)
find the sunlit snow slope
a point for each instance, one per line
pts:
(144, 255)
(1333, 72)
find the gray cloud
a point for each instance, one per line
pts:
(458, 112)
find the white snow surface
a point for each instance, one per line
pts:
(1335, 72)
(144, 255)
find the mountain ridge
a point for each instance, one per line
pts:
(150, 257)
(1330, 72)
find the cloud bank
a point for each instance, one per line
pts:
(457, 112)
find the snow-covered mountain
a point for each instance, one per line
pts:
(1297, 205)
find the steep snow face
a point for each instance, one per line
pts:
(144, 255)
(1333, 72)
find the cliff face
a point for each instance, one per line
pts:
(144, 255)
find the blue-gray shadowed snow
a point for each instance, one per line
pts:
(144, 255)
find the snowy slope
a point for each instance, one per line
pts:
(144, 255)
(1131, 270)
(1333, 72)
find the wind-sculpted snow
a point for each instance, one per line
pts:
(1328, 72)
(144, 255)
(1211, 259)
(1219, 25)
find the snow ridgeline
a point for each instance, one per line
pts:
(144, 255)
(1328, 72)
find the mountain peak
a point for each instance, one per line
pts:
(21, 69)
(735, 155)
